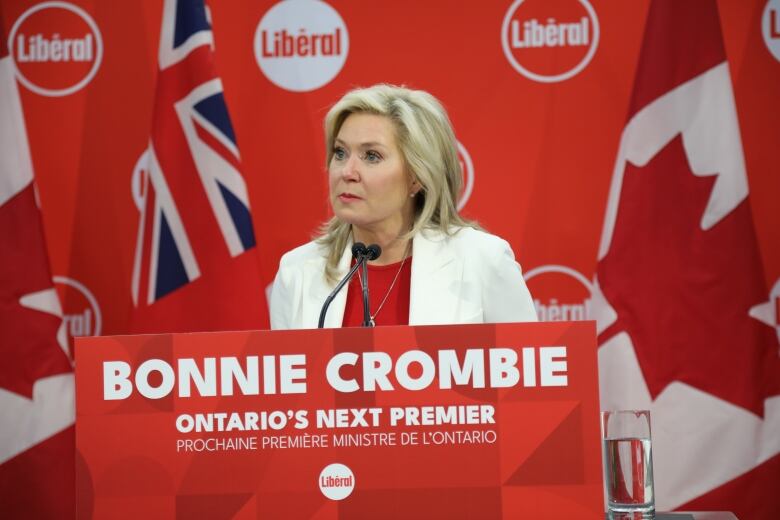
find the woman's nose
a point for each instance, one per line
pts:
(350, 170)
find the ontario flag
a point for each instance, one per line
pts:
(195, 267)
(37, 409)
(680, 278)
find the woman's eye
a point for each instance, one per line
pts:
(339, 154)
(372, 156)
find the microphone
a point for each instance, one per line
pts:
(360, 252)
(359, 248)
(372, 253)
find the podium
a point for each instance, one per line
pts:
(462, 421)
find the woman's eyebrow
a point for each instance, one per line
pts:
(366, 144)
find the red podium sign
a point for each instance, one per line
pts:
(464, 421)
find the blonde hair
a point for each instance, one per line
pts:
(429, 149)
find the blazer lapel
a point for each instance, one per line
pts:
(436, 281)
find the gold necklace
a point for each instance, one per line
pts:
(373, 316)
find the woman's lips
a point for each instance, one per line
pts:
(348, 197)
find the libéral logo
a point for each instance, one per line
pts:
(80, 309)
(468, 175)
(336, 481)
(560, 293)
(56, 48)
(770, 27)
(550, 41)
(301, 45)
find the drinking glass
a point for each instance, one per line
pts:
(628, 461)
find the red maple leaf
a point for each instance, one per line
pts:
(28, 338)
(683, 293)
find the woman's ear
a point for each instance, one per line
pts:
(414, 187)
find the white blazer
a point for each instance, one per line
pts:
(468, 277)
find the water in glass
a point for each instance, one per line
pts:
(629, 474)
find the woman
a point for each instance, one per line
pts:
(394, 178)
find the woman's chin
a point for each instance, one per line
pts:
(350, 217)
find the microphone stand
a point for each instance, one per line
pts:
(372, 252)
(359, 252)
(367, 321)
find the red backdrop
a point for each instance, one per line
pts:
(542, 153)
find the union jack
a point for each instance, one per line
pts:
(192, 163)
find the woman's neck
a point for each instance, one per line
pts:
(394, 248)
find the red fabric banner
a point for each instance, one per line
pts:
(681, 273)
(195, 267)
(36, 379)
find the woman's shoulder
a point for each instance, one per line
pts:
(303, 254)
(470, 240)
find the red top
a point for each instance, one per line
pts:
(395, 310)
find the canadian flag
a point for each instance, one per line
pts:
(36, 376)
(680, 282)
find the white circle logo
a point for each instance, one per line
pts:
(336, 481)
(550, 41)
(770, 27)
(563, 294)
(301, 45)
(81, 312)
(468, 175)
(56, 48)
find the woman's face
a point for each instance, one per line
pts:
(369, 185)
